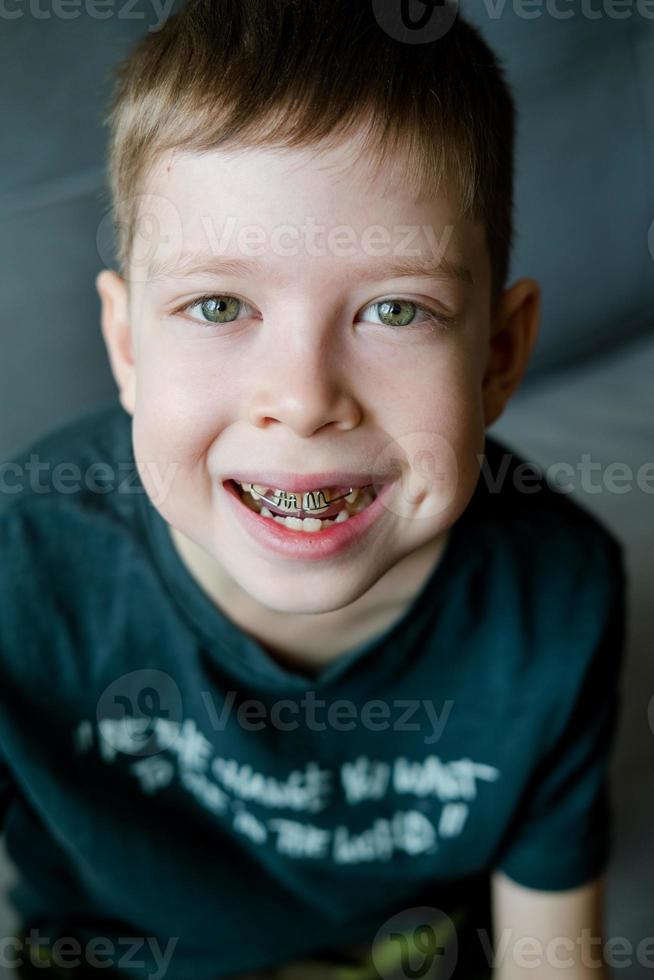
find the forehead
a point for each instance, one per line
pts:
(301, 204)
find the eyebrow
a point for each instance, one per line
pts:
(196, 263)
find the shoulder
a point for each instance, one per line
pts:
(546, 531)
(75, 464)
(549, 578)
(66, 525)
(67, 497)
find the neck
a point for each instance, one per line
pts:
(308, 641)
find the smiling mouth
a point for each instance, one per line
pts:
(321, 509)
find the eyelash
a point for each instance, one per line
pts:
(434, 320)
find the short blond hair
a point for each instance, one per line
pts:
(229, 73)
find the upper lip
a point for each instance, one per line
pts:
(303, 482)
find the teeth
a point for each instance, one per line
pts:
(312, 500)
(304, 524)
(254, 488)
(359, 498)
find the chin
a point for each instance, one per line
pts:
(312, 601)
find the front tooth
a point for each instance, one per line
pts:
(312, 500)
(285, 499)
(317, 499)
(311, 524)
(290, 500)
(295, 523)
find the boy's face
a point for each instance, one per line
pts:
(304, 371)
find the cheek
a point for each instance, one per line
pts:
(443, 395)
(437, 427)
(181, 407)
(171, 449)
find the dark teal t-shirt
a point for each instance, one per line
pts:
(162, 777)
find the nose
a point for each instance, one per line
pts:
(304, 386)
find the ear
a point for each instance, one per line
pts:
(514, 329)
(117, 333)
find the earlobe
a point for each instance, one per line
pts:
(514, 330)
(117, 333)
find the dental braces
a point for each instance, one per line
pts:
(285, 499)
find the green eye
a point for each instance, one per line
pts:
(220, 309)
(396, 312)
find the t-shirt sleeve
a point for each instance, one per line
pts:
(562, 833)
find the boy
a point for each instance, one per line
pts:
(302, 690)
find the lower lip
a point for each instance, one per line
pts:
(306, 545)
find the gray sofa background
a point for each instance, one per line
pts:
(584, 214)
